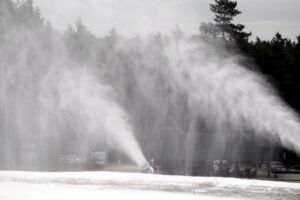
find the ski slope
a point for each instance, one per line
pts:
(114, 185)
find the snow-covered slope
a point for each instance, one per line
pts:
(112, 185)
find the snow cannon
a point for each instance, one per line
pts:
(147, 169)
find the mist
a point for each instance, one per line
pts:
(168, 97)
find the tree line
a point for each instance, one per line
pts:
(278, 59)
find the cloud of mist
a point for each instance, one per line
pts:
(191, 102)
(51, 105)
(182, 98)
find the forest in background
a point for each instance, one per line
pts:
(278, 59)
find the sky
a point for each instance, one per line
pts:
(135, 17)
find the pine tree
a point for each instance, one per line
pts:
(225, 11)
(208, 30)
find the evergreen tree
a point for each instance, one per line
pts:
(297, 53)
(225, 11)
(208, 30)
(80, 42)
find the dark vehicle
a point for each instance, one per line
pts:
(277, 167)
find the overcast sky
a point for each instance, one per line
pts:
(131, 17)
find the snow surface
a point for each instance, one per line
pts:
(113, 185)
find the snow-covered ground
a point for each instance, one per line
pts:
(113, 185)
